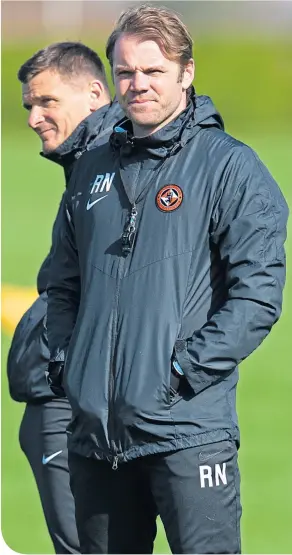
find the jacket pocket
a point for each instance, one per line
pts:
(198, 378)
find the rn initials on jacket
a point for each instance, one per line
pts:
(102, 183)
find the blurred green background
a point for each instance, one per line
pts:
(245, 65)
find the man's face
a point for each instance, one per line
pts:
(148, 85)
(57, 105)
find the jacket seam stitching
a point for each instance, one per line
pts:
(159, 260)
(103, 272)
(276, 225)
(184, 302)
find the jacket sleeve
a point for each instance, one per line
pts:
(43, 274)
(63, 285)
(249, 229)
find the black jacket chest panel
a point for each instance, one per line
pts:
(102, 209)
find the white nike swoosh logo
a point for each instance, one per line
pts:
(91, 204)
(48, 459)
(206, 457)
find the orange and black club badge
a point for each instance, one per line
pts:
(169, 198)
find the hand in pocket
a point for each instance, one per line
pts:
(175, 376)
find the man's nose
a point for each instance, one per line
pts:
(139, 82)
(35, 117)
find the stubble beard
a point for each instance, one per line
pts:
(148, 120)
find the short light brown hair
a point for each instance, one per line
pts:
(158, 24)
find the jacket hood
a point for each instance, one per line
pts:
(206, 115)
(200, 112)
(85, 134)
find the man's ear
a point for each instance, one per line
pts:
(97, 95)
(188, 74)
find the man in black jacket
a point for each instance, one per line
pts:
(168, 272)
(66, 94)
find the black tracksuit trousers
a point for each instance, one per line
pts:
(43, 439)
(195, 491)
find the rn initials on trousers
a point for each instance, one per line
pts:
(210, 475)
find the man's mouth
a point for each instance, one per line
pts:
(138, 101)
(44, 131)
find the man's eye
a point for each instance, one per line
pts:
(48, 102)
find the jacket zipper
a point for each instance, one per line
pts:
(112, 369)
(128, 238)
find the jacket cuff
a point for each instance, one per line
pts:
(198, 378)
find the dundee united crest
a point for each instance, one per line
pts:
(169, 198)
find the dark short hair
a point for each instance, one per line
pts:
(69, 59)
(155, 23)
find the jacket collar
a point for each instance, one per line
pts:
(85, 134)
(200, 112)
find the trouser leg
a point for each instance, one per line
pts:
(197, 495)
(43, 434)
(115, 512)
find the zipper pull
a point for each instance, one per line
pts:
(128, 236)
(115, 463)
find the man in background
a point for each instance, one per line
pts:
(65, 91)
